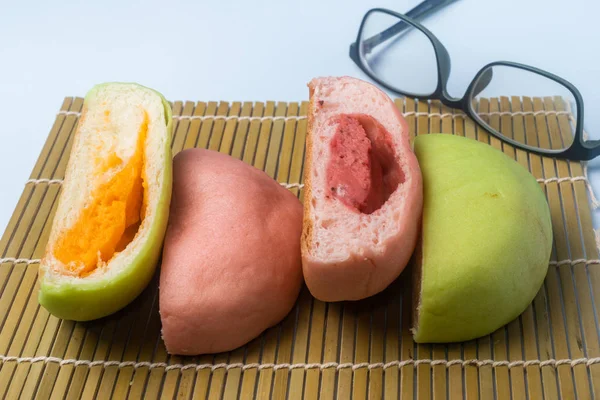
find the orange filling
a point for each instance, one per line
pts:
(110, 222)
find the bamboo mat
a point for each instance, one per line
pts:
(339, 350)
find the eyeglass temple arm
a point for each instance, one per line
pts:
(420, 11)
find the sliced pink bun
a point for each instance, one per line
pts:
(231, 263)
(363, 191)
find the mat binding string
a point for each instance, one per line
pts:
(560, 263)
(593, 200)
(302, 117)
(305, 366)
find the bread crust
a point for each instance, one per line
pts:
(307, 223)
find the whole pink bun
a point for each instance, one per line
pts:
(363, 191)
(231, 263)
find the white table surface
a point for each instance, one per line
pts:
(251, 50)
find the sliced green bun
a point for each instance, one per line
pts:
(486, 240)
(112, 214)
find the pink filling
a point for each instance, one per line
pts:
(362, 172)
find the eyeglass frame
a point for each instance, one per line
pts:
(579, 150)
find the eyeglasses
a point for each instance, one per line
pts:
(406, 58)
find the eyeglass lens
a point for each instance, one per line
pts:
(398, 54)
(516, 103)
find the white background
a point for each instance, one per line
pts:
(251, 50)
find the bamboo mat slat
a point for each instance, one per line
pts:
(348, 350)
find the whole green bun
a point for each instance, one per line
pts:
(486, 240)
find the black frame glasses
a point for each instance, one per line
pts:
(579, 150)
